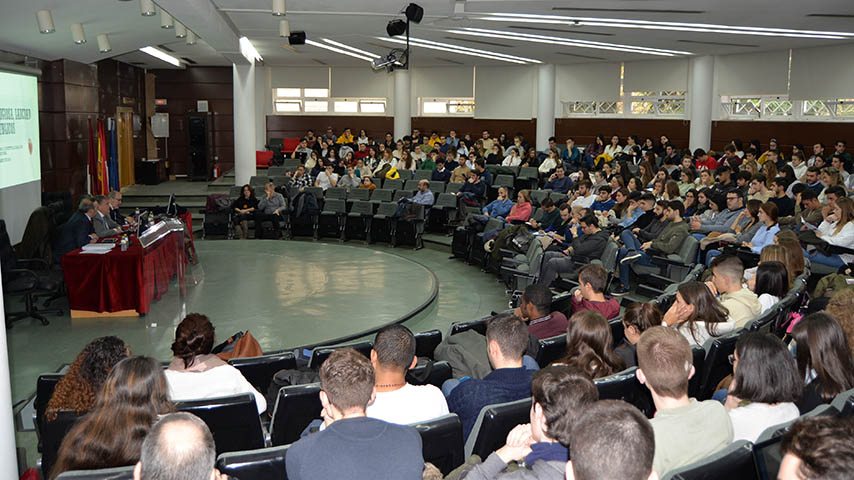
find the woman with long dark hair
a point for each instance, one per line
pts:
(697, 314)
(638, 318)
(691, 203)
(196, 374)
(590, 345)
(242, 208)
(772, 283)
(824, 360)
(111, 435)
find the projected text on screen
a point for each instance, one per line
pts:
(19, 130)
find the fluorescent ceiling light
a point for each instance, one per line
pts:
(352, 49)
(571, 42)
(672, 26)
(161, 55)
(447, 47)
(341, 50)
(248, 50)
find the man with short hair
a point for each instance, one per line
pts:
(363, 152)
(487, 141)
(327, 178)
(302, 151)
(506, 342)
(558, 181)
(461, 173)
(724, 184)
(840, 150)
(485, 175)
(810, 211)
(498, 208)
(570, 156)
(818, 448)
(758, 190)
(621, 430)
(350, 179)
(473, 191)
(441, 174)
(603, 202)
(353, 446)
(398, 401)
(535, 307)
(817, 151)
(301, 179)
(722, 221)
(590, 294)
(785, 205)
(550, 218)
(178, 447)
(561, 396)
(685, 430)
(591, 244)
(102, 223)
(423, 196)
(115, 199)
(346, 137)
(76, 231)
(703, 161)
(584, 196)
(813, 181)
(727, 282)
(646, 204)
(271, 207)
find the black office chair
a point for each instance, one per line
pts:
(233, 421)
(117, 473)
(426, 343)
(296, 407)
(261, 464)
(53, 432)
(716, 366)
(625, 386)
(259, 371)
(551, 349)
(320, 354)
(27, 279)
(430, 374)
(442, 442)
(477, 325)
(45, 385)
(493, 424)
(735, 461)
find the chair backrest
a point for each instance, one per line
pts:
(844, 402)
(296, 407)
(260, 464)
(557, 197)
(45, 385)
(618, 332)
(503, 181)
(716, 366)
(699, 356)
(316, 191)
(259, 371)
(442, 442)
(290, 163)
(448, 200)
(387, 209)
(8, 259)
(281, 180)
(336, 193)
(551, 349)
(765, 321)
(767, 457)
(233, 421)
(437, 187)
(493, 424)
(320, 354)
(359, 194)
(426, 342)
(410, 185)
(539, 195)
(625, 386)
(336, 205)
(528, 173)
(275, 171)
(423, 175)
(477, 325)
(52, 434)
(436, 376)
(362, 207)
(404, 174)
(393, 184)
(234, 191)
(117, 473)
(398, 194)
(382, 195)
(258, 180)
(609, 256)
(688, 250)
(735, 461)
(493, 224)
(453, 187)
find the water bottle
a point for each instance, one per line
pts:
(136, 214)
(124, 243)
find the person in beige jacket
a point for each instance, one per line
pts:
(742, 304)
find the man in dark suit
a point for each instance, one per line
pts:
(103, 224)
(115, 199)
(77, 231)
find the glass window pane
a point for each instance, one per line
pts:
(288, 92)
(346, 107)
(316, 92)
(435, 107)
(288, 106)
(316, 106)
(372, 107)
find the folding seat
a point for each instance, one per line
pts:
(528, 178)
(411, 185)
(359, 220)
(296, 407)
(558, 197)
(320, 354)
(667, 270)
(437, 187)
(411, 229)
(477, 255)
(453, 187)
(381, 195)
(258, 181)
(551, 350)
(699, 356)
(259, 371)
(45, 385)
(716, 366)
(233, 421)
(281, 181)
(765, 322)
(444, 209)
(422, 175)
(274, 172)
(260, 464)
(333, 218)
(335, 193)
(844, 402)
(291, 163)
(501, 181)
(53, 432)
(442, 442)
(539, 195)
(426, 342)
(617, 330)
(493, 424)
(117, 473)
(393, 184)
(400, 193)
(625, 386)
(234, 192)
(405, 175)
(384, 223)
(355, 194)
(734, 461)
(430, 374)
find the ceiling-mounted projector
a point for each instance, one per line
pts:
(396, 57)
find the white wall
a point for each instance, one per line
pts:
(505, 92)
(823, 72)
(16, 205)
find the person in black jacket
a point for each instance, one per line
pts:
(242, 209)
(77, 231)
(651, 230)
(591, 244)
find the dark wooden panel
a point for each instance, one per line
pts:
(223, 123)
(200, 91)
(51, 97)
(223, 139)
(53, 72)
(786, 133)
(584, 130)
(51, 126)
(81, 99)
(80, 74)
(296, 126)
(77, 126)
(195, 75)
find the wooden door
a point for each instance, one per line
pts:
(124, 133)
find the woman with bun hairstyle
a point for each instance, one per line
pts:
(196, 374)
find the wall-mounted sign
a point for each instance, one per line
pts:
(160, 101)
(202, 106)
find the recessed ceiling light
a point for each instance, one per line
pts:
(191, 38)
(161, 55)
(180, 30)
(45, 20)
(342, 51)
(447, 47)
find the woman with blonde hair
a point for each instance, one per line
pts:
(796, 262)
(771, 253)
(830, 177)
(837, 229)
(750, 166)
(770, 172)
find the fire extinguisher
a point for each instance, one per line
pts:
(216, 171)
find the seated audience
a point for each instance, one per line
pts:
(560, 397)
(796, 263)
(764, 387)
(396, 400)
(697, 314)
(353, 445)
(76, 231)
(76, 390)
(685, 430)
(195, 374)
(271, 207)
(550, 218)
(584, 196)
(349, 179)
(771, 284)
(440, 174)
(824, 360)
(590, 294)
(327, 178)
(837, 229)
(591, 244)
(506, 343)
(535, 310)
(134, 395)
(242, 208)
(727, 276)
(498, 208)
(638, 318)
(180, 445)
(558, 181)
(621, 430)
(722, 221)
(820, 448)
(473, 192)
(590, 345)
(768, 228)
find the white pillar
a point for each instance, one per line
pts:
(8, 456)
(244, 123)
(402, 104)
(261, 96)
(545, 105)
(702, 98)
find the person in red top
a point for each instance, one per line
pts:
(704, 161)
(534, 310)
(362, 153)
(590, 294)
(523, 208)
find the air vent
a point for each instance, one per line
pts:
(575, 55)
(482, 42)
(831, 15)
(718, 44)
(448, 60)
(573, 31)
(165, 48)
(319, 61)
(191, 62)
(627, 10)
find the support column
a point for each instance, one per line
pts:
(262, 94)
(244, 122)
(545, 105)
(8, 456)
(702, 97)
(402, 104)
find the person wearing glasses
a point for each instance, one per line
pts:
(722, 221)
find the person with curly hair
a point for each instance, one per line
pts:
(819, 447)
(131, 400)
(77, 389)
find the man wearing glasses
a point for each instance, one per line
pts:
(722, 221)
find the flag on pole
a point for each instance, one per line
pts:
(103, 181)
(92, 177)
(113, 157)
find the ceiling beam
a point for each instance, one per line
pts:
(203, 18)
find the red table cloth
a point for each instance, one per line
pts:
(127, 280)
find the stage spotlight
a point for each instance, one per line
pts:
(296, 38)
(45, 20)
(414, 13)
(396, 27)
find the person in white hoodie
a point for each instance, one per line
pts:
(837, 229)
(550, 162)
(512, 159)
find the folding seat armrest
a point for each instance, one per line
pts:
(664, 261)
